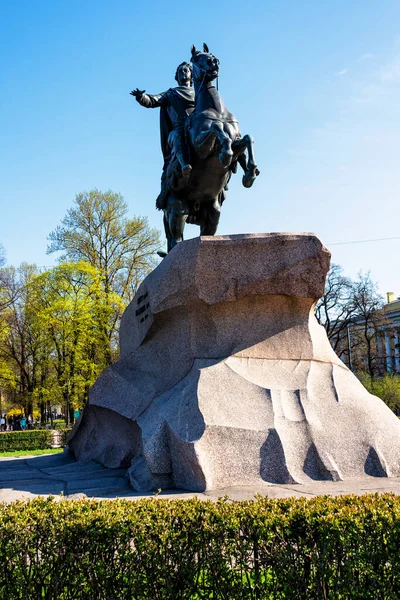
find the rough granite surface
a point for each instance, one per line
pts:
(225, 377)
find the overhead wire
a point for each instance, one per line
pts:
(363, 241)
(328, 244)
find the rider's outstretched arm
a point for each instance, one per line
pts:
(151, 101)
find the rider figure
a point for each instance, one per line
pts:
(176, 104)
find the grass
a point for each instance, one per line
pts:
(31, 452)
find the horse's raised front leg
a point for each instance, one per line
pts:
(249, 166)
(204, 142)
(226, 152)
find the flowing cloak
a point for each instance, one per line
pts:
(180, 102)
(175, 104)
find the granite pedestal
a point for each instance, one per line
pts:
(225, 377)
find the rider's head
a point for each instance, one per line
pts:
(183, 74)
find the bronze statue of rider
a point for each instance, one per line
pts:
(175, 104)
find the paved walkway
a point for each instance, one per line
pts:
(60, 474)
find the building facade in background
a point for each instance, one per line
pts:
(372, 346)
(389, 336)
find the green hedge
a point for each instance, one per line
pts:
(39, 439)
(36, 439)
(346, 547)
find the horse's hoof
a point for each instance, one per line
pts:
(248, 180)
(226, 158)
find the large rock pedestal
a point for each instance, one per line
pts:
(225, 377)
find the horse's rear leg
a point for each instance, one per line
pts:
(176, 216)
(210, 218)
(167, 230)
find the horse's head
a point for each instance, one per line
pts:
(205, 65)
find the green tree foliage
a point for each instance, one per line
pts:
(58, 328)
(21, 342)
(387, 388)
(52, 345)
(96, 230)
(72, 310)
(7, 296)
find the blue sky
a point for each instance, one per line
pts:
(316, 83)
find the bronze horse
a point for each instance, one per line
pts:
(216, 147)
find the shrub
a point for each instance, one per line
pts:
(25, 440)
(344, 547)
(387, 388)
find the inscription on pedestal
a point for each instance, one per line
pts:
(141, 312)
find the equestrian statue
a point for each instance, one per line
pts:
(201, 145)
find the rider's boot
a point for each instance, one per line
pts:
(183, 158)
